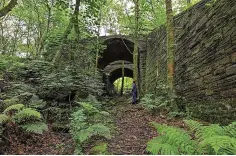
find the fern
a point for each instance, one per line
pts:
(100, 148)
(210, 131)
(27, 114)
(211, 139)
(175, 137)
(3, 118)
(101, 130)
(94, 130)
(231, 129)
(220, 144)
(90, 109)
(38, 127)
(16, 107)
(193, 125)
(9, 102)
(156, 147)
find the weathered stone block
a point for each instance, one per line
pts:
(231, 70)
(233, 57)
(220, 70)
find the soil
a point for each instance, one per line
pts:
(133, 130)
(50, 143)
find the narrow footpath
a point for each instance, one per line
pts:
(132, 127)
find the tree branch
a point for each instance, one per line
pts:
(8, 8)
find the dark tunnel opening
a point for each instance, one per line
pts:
(117, 49)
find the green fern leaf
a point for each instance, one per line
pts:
(94, 130)
(38, 127)
(156, 146)
(210, 131)
(16, 107)
(220, 144)
(26, 114)
(84, 135)
(176, 137)
(193, 125)
(3, 118)
(100, 148)
(231, 129)
(101, 130)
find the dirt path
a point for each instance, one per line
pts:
(132, 127)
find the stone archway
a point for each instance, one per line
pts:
(113, 71)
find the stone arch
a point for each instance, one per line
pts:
(118, 48)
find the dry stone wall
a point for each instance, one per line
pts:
(205, 55)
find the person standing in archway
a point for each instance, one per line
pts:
(134, 93)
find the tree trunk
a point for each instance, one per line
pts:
(135, 53)
(8, 8)
(123, 75)
(76, 19)
(170, 53)
(63, 39)
(170, 45)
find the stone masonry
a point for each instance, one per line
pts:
(205, 56)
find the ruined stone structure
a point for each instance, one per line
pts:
(205, 59)
(119, 48)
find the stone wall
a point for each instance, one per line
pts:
(205, 54)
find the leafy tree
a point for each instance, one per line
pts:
(8, 8)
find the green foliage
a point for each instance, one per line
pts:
(3, 118)
(15, 107)
(8, 102)
(202, 139)
(231, 129)
(162, 100)
(193, 125)
(86, 123)
(100, 149)
(94, 130)
(37, 127)
(28, 119)
(27, 114)
(172, 140)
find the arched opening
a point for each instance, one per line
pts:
(117, 49)
(126, 85)
(113, 76)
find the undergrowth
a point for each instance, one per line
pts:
(211, 139)
(88, 123)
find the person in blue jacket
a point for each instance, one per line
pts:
(134, 93)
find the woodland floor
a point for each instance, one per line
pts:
(132, 132)
(133, 129)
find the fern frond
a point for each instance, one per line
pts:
(176, 137)
(3, 118)
(193, 125)
(26, 114)
(156, 147)
(100, 148)
(16, 107)
(220, 145)
(88, 107)
(38, 127)
(84, 135)
(101, 130)
(231, 129)
(94, 130)
(210, 131)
